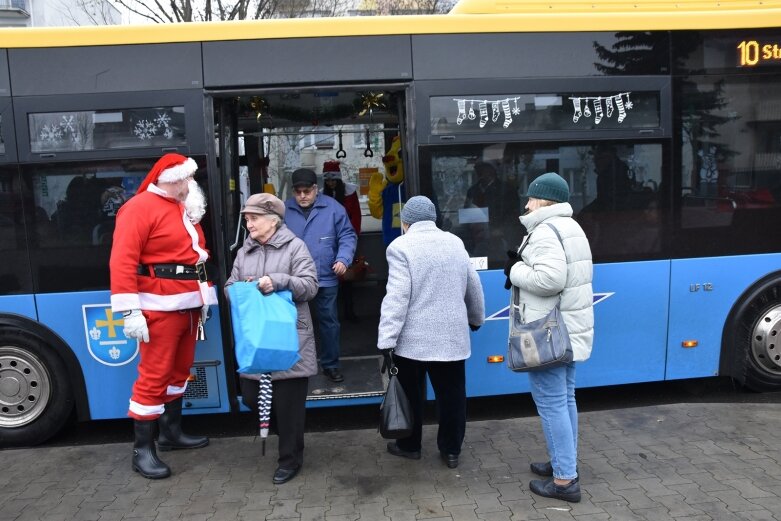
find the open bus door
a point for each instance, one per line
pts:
(263, 136)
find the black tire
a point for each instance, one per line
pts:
(36, 399)
(756, 340)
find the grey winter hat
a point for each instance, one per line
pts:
(551, 187)
(418, 208)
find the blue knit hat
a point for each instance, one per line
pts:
(551, 187)
(418, 208)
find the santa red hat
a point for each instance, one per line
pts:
(168, 169)
(331, 170)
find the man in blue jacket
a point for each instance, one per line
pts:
(322, 223)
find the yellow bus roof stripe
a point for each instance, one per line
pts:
(637, 20)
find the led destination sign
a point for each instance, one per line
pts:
(752, 53)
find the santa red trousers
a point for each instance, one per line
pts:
(165, 361)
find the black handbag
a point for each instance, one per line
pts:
(395, 410)
(540, 344)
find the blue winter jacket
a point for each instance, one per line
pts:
(327, 233)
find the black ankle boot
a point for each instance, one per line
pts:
(145, 460)
(171, 435)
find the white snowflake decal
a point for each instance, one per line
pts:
(51, 133)
(67, 124)
(145, 129)
(163, 120)
(168, 133)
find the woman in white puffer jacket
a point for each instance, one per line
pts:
(550, 269)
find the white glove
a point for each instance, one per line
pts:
(204, 314)
(135, 326)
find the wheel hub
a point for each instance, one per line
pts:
(24, 387)
(765, 340)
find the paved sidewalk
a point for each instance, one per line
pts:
(682, 462)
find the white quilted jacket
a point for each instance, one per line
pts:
(547, 270)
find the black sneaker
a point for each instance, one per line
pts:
(549, 488)
(334, 374)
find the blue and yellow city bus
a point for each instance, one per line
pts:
(664, 117)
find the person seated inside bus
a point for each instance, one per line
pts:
(79, 211)
(490, 206)
(624, 216)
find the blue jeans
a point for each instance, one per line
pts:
(327, 317)
(553, 391)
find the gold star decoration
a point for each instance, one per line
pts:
(370, 101)
(259, 105)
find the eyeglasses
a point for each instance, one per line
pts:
(304, 191)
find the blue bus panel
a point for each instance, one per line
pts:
(109, 360)
(702, 293)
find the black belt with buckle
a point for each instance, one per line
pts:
(199, 272)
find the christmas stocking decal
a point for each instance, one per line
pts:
(471, 110)
(483, 114)
(461, 111)
(598, 110)
(506, 109)
(621, 111)
(578, 113)
(609, 106)
(494, 111)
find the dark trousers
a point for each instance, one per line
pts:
(288, 414)
(449, 382)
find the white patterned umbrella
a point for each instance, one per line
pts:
(264, 408)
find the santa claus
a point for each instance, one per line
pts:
(160, 284)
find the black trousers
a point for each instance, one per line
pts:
(288, 415)
(449, 382)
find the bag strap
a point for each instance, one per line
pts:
(558, 236)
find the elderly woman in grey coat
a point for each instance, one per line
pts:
(274, 257)
(433, 298)
(555, 267)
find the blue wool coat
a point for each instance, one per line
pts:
(327, 233)
(433, 294)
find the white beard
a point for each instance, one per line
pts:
(195, 203)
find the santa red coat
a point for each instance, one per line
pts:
(352, 206)
(154, 229)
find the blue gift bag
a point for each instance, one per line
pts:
(264, 328)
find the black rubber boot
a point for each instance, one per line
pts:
(171, 435)
(145, 460)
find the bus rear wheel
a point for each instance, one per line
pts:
(35, 393)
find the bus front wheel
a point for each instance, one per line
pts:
(35, 393)
(758, 332)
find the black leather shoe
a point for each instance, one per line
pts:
(334, 374)
(548, 488)
(542, 469)
(396, 451)
(451, 460)
(284, 475)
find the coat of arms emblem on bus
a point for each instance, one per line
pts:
(106, 340)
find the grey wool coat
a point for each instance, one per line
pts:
(432, 296)
(547, 269)
(286, 260)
